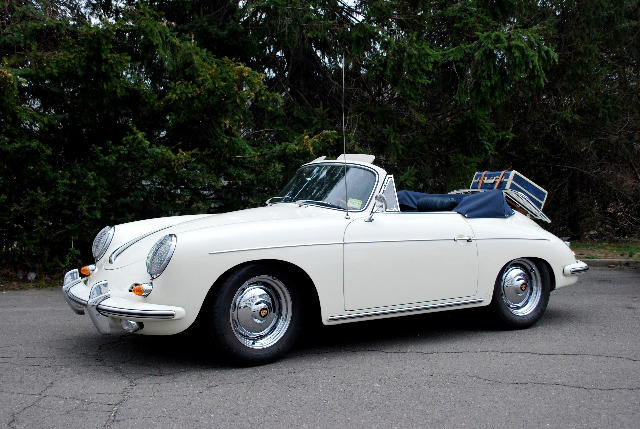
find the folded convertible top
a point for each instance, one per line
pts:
(487, 204)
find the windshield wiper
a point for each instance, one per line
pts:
(319, 203)
(285, 199)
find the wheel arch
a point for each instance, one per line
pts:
(308, 289)
(525, 312)
(547, 265)
(535, 259)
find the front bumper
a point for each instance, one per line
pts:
(577, 267)
(107, 309)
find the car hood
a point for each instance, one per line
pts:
(129, 238)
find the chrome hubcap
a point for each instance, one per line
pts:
(521, 287)
(260, 312)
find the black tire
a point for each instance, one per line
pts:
(254, 297)
(521, 293)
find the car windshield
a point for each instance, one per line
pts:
(323, 184)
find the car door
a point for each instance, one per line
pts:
(403, 258)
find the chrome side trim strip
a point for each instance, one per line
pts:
(414, 308)
(284, 246)
(512, 238)
(318, 244)
(410, 240)
(107, 310)
(273, 247)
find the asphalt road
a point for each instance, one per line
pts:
(579, 366)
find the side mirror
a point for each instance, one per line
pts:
(379, 205)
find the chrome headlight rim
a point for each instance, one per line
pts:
(102, 241)
(163, 248)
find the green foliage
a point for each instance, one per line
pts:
(122, 120)
(116, 111)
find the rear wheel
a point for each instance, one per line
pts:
(521, 293)
(254, 317)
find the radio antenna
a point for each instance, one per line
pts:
(344, 147)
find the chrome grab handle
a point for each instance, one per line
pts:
(463, 238)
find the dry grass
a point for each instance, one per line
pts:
(11, 281)
(607, 250)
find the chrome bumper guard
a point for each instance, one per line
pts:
(100, 312)
(72, 278)
(578, 267)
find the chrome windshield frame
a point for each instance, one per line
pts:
(341, 164)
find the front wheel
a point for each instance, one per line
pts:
(254, 317)
(521, 293)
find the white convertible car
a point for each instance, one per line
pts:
(336, 240)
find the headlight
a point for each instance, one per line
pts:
(102, 241)
(160, 255)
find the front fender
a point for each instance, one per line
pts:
(202, 257)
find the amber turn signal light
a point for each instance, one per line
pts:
(141, 289)
(87, 270)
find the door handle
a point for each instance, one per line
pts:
(463, 238)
